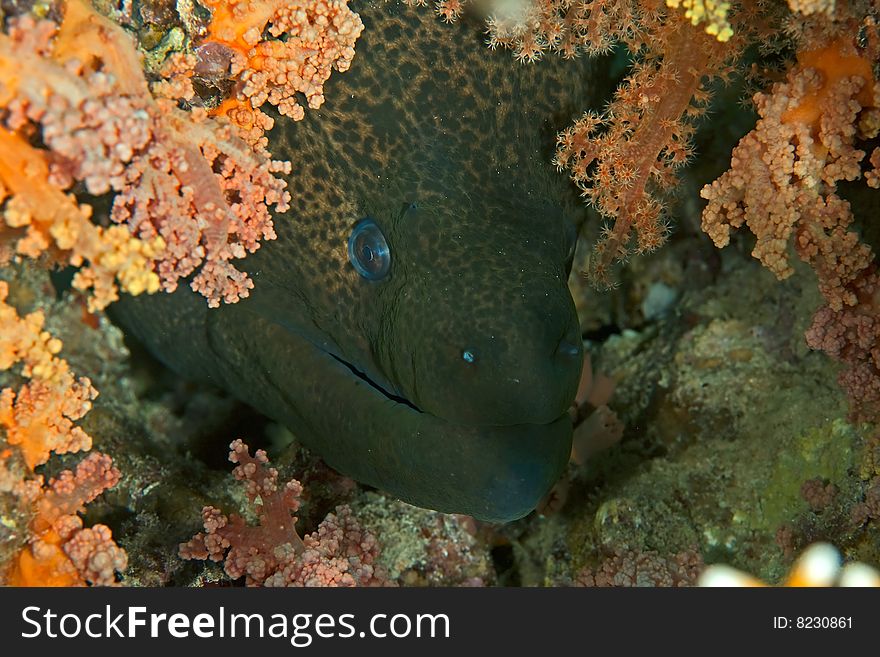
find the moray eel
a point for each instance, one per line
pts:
(412, 322)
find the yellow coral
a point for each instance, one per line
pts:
(22, 339)
(51, 217)
(62, 552)
(712, 12)
(179, 176)
(39, 417)
(809, 7)
(35, 421)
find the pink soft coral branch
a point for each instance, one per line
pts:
(271, 553)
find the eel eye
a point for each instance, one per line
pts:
(368, 250)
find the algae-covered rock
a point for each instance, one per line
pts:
(727, 415)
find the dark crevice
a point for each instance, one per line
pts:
(602, 333)
(504, 561)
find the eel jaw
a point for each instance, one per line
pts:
(494, 473)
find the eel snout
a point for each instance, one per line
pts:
(517, 365)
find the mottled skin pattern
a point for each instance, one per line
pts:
(447, 146)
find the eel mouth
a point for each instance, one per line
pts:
(366, 430)
(372, 383)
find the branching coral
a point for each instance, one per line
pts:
(807, 7)
(61, 551)
(35, 421)
(274, 51)
(625, 159)
(784, 173)
(783, 182)
(192, 194)
(39, 418)
(851, 335)
(339, 553)
(53, 218)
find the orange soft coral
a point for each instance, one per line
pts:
(783, 182)
(627, 158)
(22, 339)
(35, 421)
(783, 176)
(308, 40)
(61, 551)
(51, 218)
(192, 196)
(39, 417)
